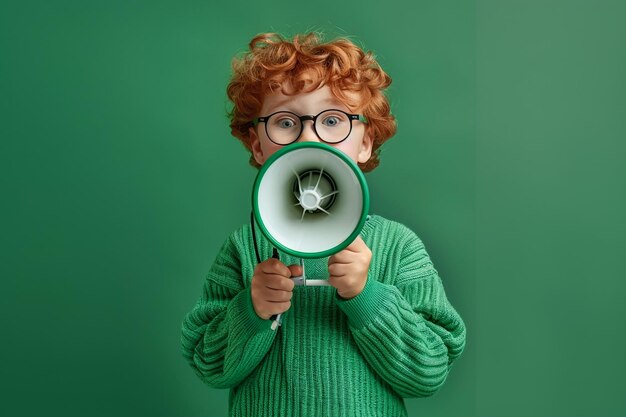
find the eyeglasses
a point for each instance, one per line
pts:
(331, 126)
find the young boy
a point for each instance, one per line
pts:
(383, 329)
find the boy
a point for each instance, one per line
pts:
(383, 329)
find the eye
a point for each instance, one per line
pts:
(285, 123)
(331, 121)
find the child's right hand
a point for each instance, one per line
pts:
(271, 288)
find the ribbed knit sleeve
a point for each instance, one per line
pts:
(403, 324)
(222, 337)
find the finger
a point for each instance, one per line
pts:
(274, 266)
(357, 245)
(278, 282)
(270, 309)
(277, 296)
(337, 270)
(278, 308)
(296, 270)
(335, 281)
(343, 257)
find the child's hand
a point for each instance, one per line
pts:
(348, 269)
(271, 288)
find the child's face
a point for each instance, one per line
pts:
(358, 145)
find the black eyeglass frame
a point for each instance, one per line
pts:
(351, 117)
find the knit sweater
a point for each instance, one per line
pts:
(331, 357)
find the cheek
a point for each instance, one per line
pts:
(351, 146)
(269, 148)
(348, 148)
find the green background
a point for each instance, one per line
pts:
(120, 181)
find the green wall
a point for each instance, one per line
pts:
(121, 180)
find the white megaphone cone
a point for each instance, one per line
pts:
(311, 201)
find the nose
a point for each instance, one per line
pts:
(308, 133)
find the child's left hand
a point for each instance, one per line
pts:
(348, 269)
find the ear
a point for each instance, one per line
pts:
(255, 145)
(365, 150)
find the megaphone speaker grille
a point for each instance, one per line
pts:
(314, 190)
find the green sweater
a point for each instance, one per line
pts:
(331, 357)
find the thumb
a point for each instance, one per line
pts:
(296, 270)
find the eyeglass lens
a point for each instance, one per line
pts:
(331, 126)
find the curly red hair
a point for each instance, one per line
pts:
(305, 64)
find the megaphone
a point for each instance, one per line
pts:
(310, 200)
